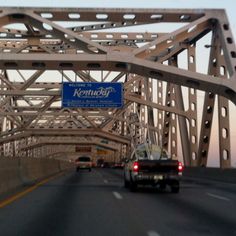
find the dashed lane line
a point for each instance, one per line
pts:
(152, 233)
(117, 195)
(218, 197)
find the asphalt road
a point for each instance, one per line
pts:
(96, 204)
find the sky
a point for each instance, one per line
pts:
(228, 5)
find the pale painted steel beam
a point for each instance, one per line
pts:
(138, 100)
(68, 36)
(66, 132)
(37, 93)
(186, 33)
(69, 142)
(112, 61)
(226, 38)
(208, 107)
(148, 15)
(193, 113)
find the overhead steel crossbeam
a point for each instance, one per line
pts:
(40, 48)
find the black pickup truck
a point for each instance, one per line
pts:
(151, 165)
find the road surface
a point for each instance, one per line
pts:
(96, 203)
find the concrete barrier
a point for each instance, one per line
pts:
(18, 172)
(9, 175)
(224, 175)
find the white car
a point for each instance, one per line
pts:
(83, 162)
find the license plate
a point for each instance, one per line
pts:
(158, 177)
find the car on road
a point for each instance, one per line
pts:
(151, 165)
(83, 162)
(106, 164)
(118, 165)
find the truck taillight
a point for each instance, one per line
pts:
(135, 167)
(180, 166)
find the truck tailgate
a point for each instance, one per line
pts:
(158, 166)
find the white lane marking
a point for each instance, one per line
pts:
(152, 233)
(117, 195)
(105, 181)
(218, 197)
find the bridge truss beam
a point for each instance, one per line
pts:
(162, 74)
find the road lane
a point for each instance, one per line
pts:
(96, 203)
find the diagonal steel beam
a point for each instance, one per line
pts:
(64, 34)
(167, 41)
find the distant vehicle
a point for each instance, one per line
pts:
(100, 162)
(151, 165)
(118, 165)
(106, 165)
(83, 162)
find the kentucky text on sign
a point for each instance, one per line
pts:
(92, 95)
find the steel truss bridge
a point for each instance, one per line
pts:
(159, 55)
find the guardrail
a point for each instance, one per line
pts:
(217, 174)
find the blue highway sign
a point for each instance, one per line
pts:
(92, 95)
